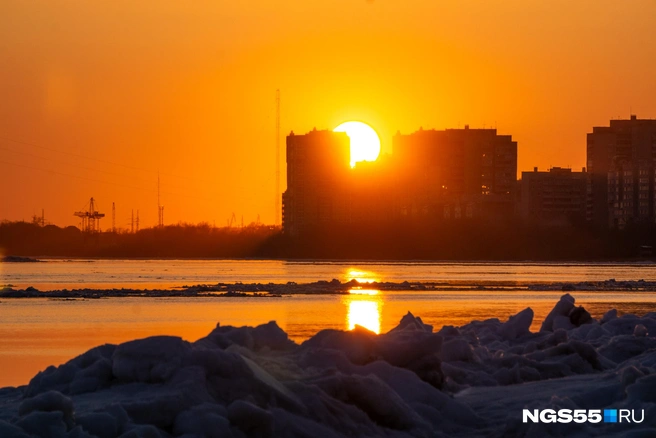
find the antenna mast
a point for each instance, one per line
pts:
(277, 217)
(160, 209)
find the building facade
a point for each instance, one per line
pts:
(631, 194)
(431, 176)
(556, 196)
(455, 173)
(318, 174)
(620, 161)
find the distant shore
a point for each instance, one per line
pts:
(323, 287)
(468, 240)
(628, 261)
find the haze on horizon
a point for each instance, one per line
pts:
(188, 89)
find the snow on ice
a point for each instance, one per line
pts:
(464, 381)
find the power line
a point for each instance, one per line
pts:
(75, 165)
(99, 160)
(98, 170)
(67, 163)
(102, 182)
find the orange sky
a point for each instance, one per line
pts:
(189, 88)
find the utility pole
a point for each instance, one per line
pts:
(113, 217)
(277, 217)
(137, 221)
(132, 223)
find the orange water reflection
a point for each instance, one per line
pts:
(361, 276)
(358, 291)
(35, 333)
(364, 309)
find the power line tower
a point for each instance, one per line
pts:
(277, 217)
(137, 221)
(90, 218)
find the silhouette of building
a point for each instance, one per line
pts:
(374, 192)
(431, 176)
(456, 173)
(631, 194)
(620, 161)
(318, 176)
(556, 196)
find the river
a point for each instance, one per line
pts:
(35, 333)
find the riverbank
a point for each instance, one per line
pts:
(336, 287)
(472, 380)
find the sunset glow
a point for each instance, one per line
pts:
(370, 292)
(327, 218)
(365, 144)
(361, 276)
(197, 101)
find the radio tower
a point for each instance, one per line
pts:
(160, 208)
(277, 217)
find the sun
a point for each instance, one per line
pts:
(365, 144)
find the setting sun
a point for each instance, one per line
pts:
(365, 144)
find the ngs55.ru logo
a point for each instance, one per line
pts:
(583, 416)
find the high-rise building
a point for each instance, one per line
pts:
(620, 161)
(318, 176)
(455, 172)
(555, 196)
(631, 194)
(430, 176)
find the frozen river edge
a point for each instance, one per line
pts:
(473, 380)
(264, 290)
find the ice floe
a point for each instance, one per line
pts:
(467, 381)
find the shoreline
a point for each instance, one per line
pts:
(628, 261)
(333, 287)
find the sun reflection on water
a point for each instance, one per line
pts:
(364, 307)
(362, 276)
(364, 292)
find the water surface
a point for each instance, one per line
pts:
(35, 333)
(103, 274)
